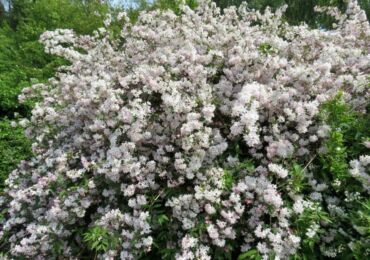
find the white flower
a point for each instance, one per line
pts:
(188, 242)
(278, 170)
(212, 231)
(298, 206)
(210, 209)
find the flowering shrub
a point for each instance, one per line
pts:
(198, 136)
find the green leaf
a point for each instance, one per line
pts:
(251, 254)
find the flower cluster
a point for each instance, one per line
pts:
(360, 169)
(181, 137)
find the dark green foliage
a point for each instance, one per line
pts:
(12, 78)
(14, 146)
(349, 130)
(99, 239)
(23, 60)
(33, 17)
(158, 4)
(227, 180)
(173, 5)
(361, 223)
(251, 254)
(2, 13)
(344, 143)
(22, 56)
(235, 173)
(335, 160)
(266, 49)
(255, 4)
(297, 178)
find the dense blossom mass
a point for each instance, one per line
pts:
(181, 133)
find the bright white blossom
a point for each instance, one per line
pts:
(278, 170)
